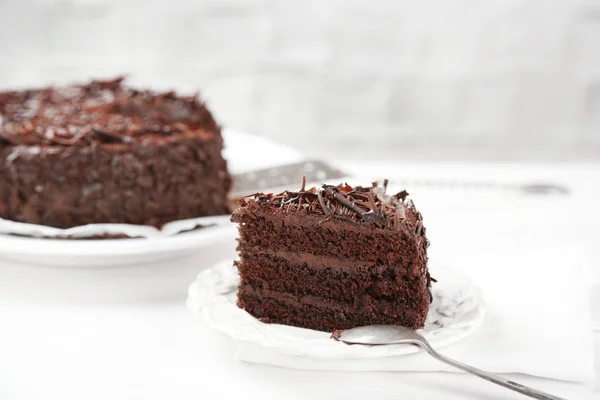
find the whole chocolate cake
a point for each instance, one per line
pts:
(106, 153)
(334, 257)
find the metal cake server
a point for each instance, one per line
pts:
(283, 176)
(290, 175)
(390, 334)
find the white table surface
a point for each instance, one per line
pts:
(68, 334)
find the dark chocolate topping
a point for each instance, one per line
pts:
(370, 205)
(99, 112)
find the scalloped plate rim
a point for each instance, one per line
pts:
(293, 344)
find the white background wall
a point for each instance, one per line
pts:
(422, 79)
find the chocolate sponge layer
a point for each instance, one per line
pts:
(319, 314)
(307, 274)
(148, 184)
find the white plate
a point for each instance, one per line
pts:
(109, 252)
(243, 153)
(457, 310)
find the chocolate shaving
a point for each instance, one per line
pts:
(299, 203)
(419, 229)
(372, 202)
(402, 195)
(344, 200)
(63, 116)
(375, 218)
(249, 213)
(326, 210)
(357, 204)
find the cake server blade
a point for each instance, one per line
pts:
(289, 176)
(283, 177)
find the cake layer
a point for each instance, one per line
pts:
(305, 273)
(316, 313)
(302, 233)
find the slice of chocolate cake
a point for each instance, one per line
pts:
(107, 153)
(331, 258)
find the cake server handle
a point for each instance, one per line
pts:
(494, 378)
(317, 171)
(394, 334)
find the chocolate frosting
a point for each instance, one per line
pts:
(99, 112)
(106, 153)
(360, 205)
(363, 302)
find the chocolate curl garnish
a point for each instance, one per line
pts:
(248, 213)
(344, 200)
(372, 203)
(301, 198)
(385, 184)
(195, 98)
(10, 139)
(374, 216)
(402, 195)
(299, 204)
(326, 210)
(399, 216)
(112, 84)
(419, 229)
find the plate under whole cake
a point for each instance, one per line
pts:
(457, 309)
(111, 252)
